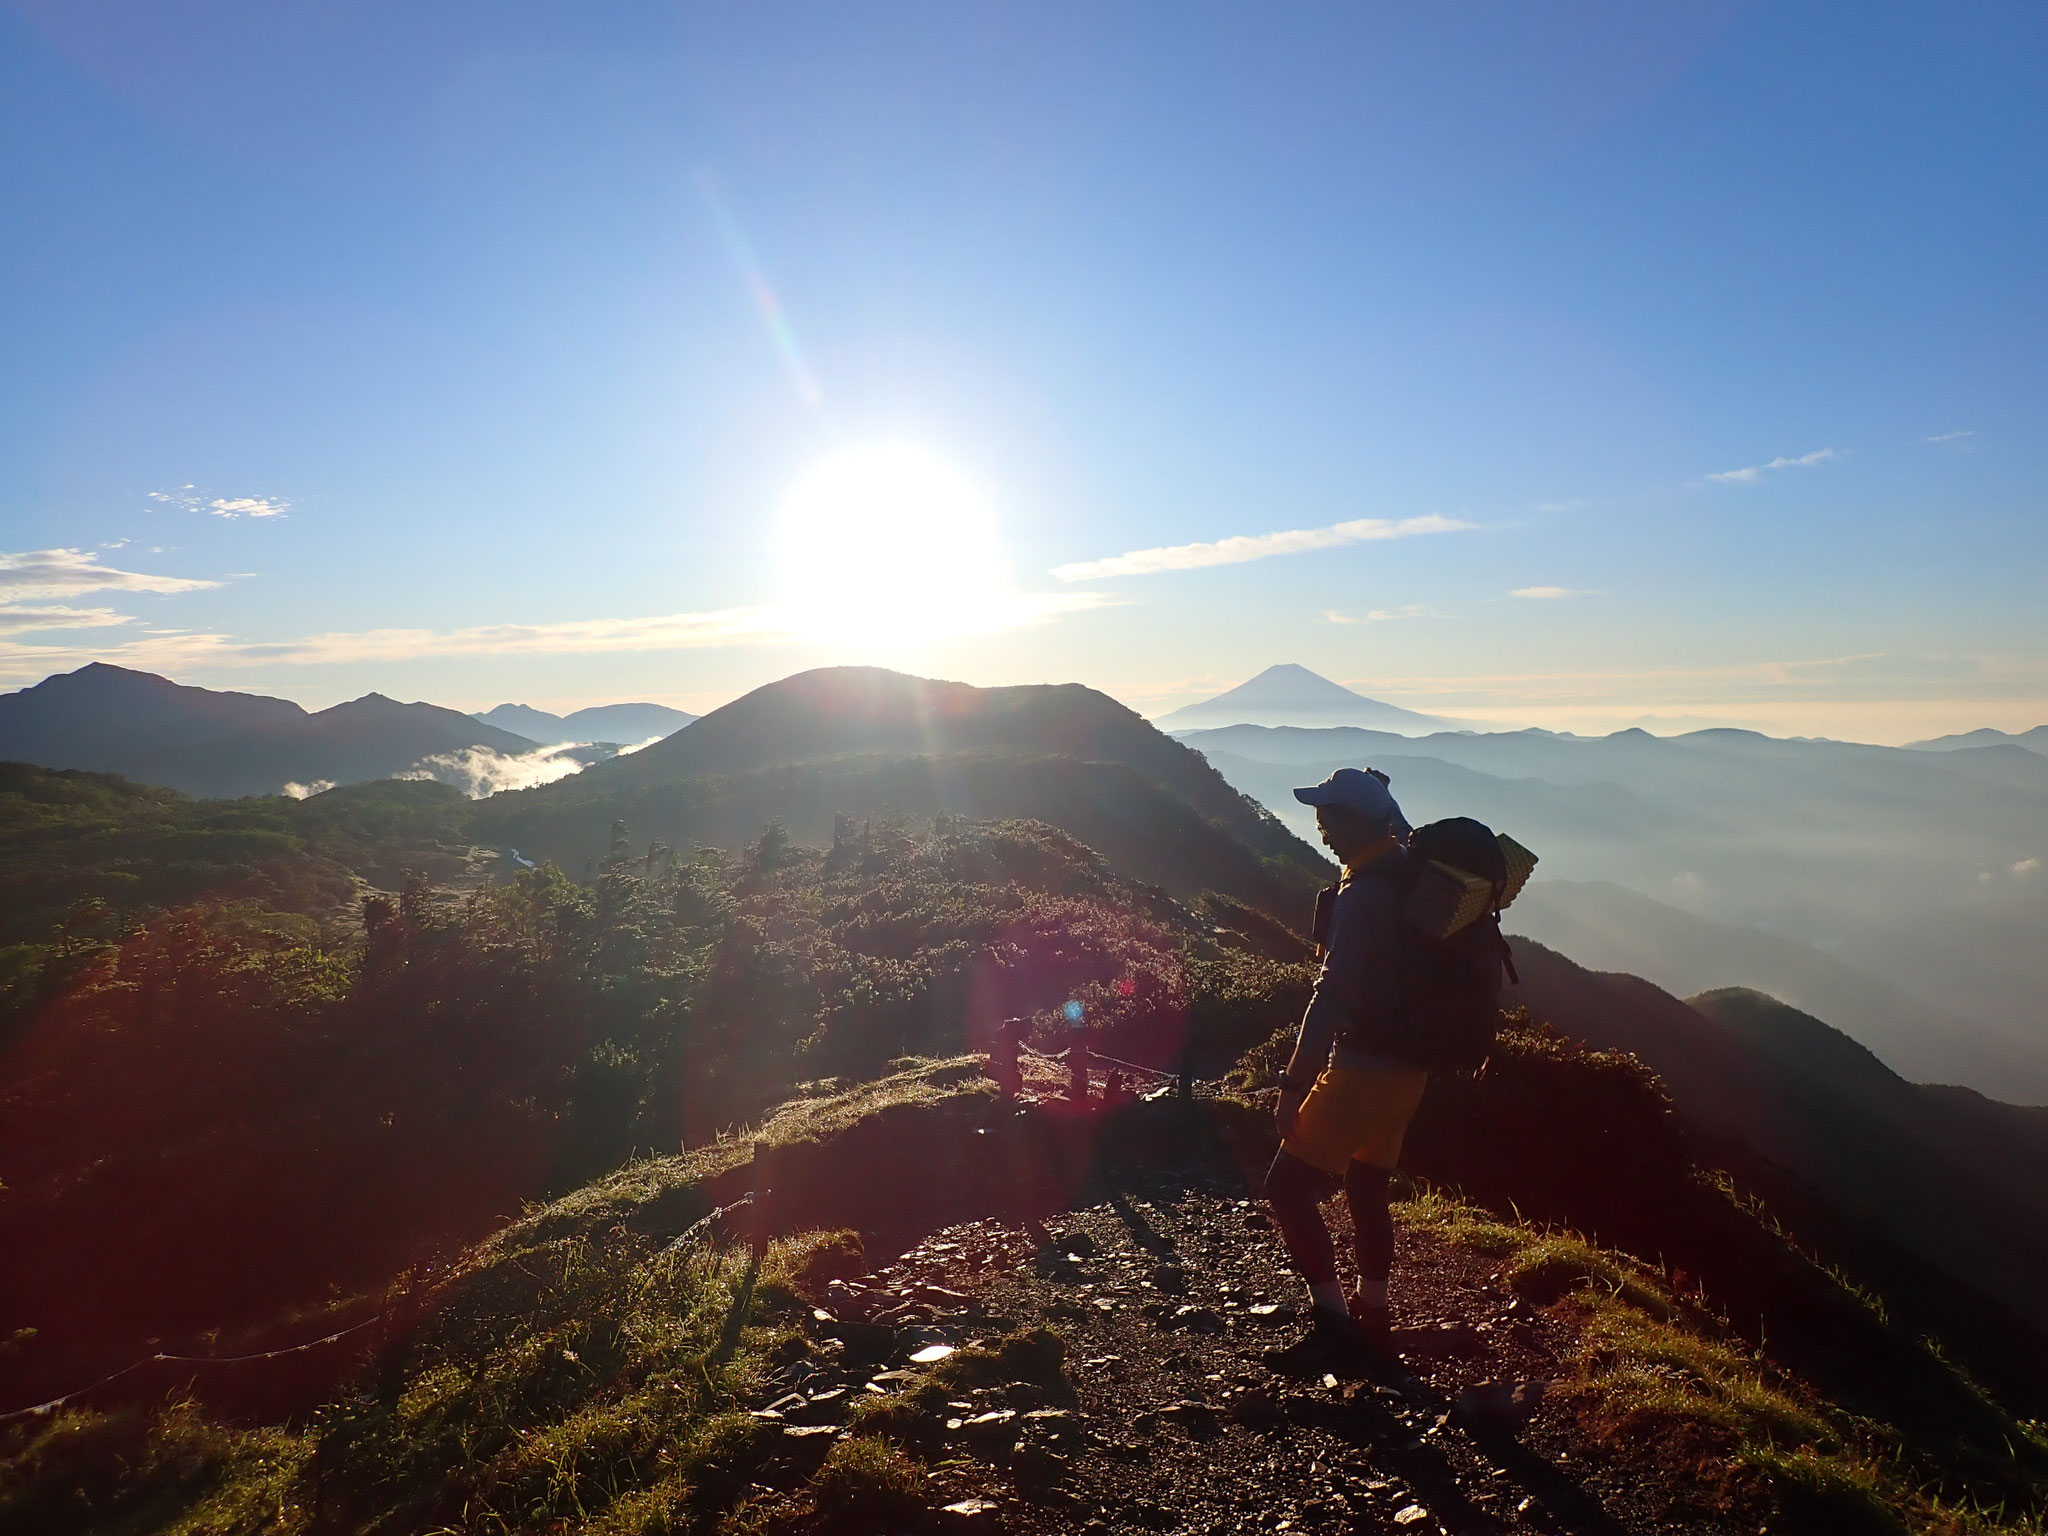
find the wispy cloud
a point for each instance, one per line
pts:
(45, 573)
(1750, 474)
(181, 652)
(191, 499)
(184, 652)
(26, 618)
(1548, 594)
(665, 632)
(1374, 616)
(1257, 546)
(1952, 437)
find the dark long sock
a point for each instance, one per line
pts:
(1295, 1190)
(1365, 1189)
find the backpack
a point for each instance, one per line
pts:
(1459, 878)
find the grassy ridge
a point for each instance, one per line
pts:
(1658, 1374)
(582, 1371)
(579, 1366)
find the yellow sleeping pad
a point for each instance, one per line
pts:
(1447, 898)
(1521, 862)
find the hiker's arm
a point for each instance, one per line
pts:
(1346, 962)
(1358, 966)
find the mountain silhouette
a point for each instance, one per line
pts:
(1609, 927)
(621, 723)
(218, 744)
(1956, 1178)
(1292, 695)
(865, 742)
(2035, 740)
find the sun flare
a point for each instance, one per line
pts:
(885, 547)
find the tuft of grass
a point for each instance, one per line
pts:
(1644, 1370)
(1557, 1263)
(816, 1259)
(911, 1419)
(1825, 1493)
(1036, 1355)
(170, 1471)
(868, 1485)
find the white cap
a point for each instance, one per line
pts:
(1356, 789)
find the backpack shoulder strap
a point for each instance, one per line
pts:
(1326, 909)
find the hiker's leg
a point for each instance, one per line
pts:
(1372, 1225)
(1296, 1190)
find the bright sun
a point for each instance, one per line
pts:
(887, 548)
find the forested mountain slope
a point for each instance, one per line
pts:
(866, 743)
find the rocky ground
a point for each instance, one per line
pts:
(1169, 1292)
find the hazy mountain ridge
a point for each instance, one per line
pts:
(624, 724)
(203, 742)
(1609, 927)
(1923, 870)
(2035, 740)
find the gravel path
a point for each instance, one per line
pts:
(1170, 1293)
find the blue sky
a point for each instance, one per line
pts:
(479, 352)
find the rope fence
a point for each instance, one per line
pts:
(1095, 1056)
(703, 1223)
(45, 1409)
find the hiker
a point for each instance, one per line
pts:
(1344, 1105)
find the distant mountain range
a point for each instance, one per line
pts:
(1292, 695)
(212, 743)
(1903, 892)
(2035, 740)
(624, 724)
(872, 744)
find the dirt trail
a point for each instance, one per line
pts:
(1170, 1291)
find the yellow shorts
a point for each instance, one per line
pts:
(1360, 1115)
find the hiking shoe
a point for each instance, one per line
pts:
(1332, 1345)
(1375, 1327)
